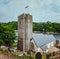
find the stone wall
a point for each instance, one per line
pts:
(24, 31)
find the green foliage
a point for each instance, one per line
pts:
(1, 42)
(46, 27)
(14, 45)
(42, 26)
(13, 25)
(7, 35)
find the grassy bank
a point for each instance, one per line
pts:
(15, 55)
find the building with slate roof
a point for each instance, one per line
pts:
(42, 42)
(28, 40)
(57, 36)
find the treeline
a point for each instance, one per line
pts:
(7, 30)
(47, 27)
(42, 26)
(7, 33)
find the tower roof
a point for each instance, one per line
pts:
(24, 15)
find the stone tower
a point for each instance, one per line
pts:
(24, 31)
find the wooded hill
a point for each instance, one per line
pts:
(42, 26)
(7, 30)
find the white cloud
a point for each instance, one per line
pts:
(42, 10)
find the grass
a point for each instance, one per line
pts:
(14, 45)
(14, 55)
(44, 56)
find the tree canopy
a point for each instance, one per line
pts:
(7, 34)
(46, 27)
(7, 30)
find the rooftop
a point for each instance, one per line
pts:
(42, 39)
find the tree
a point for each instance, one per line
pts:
(7, 35)
(13, 25)
(47, 27)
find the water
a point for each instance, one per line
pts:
(57, 36)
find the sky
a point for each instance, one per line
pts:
(41, 10)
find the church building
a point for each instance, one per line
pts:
(27, 40)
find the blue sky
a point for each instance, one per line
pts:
(41, 10)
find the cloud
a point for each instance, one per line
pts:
(55, 8)
(41, 10)
(5, 1)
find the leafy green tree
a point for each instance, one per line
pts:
(46, 27)
(13, 25)
(7, 35)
